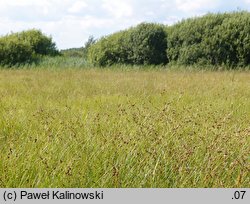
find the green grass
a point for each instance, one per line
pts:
(124, 128)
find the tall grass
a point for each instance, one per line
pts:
(124, 128)
(63, 62)
(50, 63)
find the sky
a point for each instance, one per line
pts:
(71, 22)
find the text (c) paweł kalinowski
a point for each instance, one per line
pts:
(61, 195)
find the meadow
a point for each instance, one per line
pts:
(124, 128)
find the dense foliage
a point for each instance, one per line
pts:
(14, 51)
(217, 39)
(143, 44)
(214, 39)
(24, 47)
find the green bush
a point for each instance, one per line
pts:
(40, 43)
(215, 39)
(234, 39)
(13, 51)
(109, 50)
(144, 44)
(25, 47)
(148, 44)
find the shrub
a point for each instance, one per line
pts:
(217, 39)
(24, 47)
(40, 43)
(147, 43)
(143, 44)
(109, 50)
(234, 38)
(13, 51)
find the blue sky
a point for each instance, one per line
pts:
(71, 22)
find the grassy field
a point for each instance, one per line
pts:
(124, 128)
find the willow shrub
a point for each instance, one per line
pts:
(25, 47)
(214, 39)
(14, 51)
(144, 44)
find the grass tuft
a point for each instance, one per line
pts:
(124, 128)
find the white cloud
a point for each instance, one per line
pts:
(171, 20)
(78, 6)
(192, 6)
(21, 2)
(70, 22)
(118, 8)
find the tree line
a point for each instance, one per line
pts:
(213, 39)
